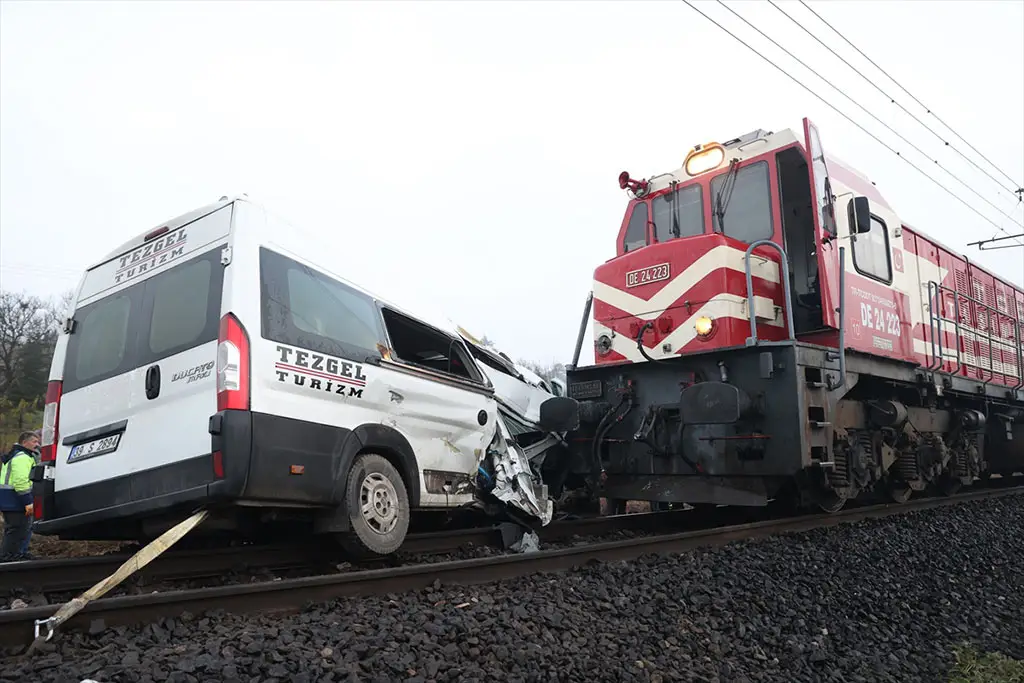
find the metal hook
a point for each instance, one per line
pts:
(48, 622)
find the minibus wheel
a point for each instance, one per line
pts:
(378, 507)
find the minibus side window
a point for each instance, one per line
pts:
(306, 308)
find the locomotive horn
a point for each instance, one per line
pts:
(639, 187)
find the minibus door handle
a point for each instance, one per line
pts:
(153, 382)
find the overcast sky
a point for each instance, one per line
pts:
(464, 155)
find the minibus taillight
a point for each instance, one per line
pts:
(232, 365)
(51, 419)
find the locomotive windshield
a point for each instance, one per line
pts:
(679, 213)
(742, 202)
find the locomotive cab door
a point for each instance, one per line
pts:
(825, 235)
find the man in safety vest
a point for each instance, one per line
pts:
(28, 534)
(16, 496)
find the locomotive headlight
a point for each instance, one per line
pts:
(703, 158)
(704, 326)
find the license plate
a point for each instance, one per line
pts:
(91, 449)
(643, 276)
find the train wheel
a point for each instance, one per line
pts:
(948, 486)
(378, 507)
(900, 493)
(829, 502)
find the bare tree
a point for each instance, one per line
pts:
(548, 372)
(28, 328)
(57, 310)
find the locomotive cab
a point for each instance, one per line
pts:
(691, 229)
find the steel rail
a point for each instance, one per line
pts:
(289, 595)
(61, 575)
(58, 575)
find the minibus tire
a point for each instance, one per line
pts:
(382, 530)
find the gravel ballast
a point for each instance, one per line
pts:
(880, 600)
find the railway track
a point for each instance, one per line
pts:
(62, 575)
(17, 626)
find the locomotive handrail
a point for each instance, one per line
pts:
(935, 328)
(783, 275)
(956, 331)
(1019, 348)
(842, 323)
(937, 317)
(932, 327)
(583, 330)
(1020, 354)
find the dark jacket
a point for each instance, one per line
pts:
(15, 486)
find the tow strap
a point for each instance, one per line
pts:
(133, 564)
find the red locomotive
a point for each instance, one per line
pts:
(769, 327)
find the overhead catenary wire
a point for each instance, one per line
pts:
(872, 115)
(1011, 189)
(981, 243)
(927, 109)
(846, 116)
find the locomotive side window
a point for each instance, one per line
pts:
(636, 231)
(871, 252)
(679, 214)
(741, 202)
(826, 209)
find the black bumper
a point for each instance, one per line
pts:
(257, 452)
(195, 497)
